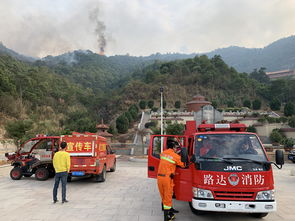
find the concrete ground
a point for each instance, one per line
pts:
(127, 195)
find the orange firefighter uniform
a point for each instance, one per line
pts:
(169, 161)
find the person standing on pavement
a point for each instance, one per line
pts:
(61, 164)
(168, 162)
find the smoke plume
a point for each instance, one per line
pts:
(100, 29)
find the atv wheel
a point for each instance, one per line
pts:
(42, 174)
(102, 176)
(16, 173)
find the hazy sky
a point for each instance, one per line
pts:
(142, 27)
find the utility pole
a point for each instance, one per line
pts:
(162, 132)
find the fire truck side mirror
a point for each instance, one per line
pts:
(280, 157)
(184, 155)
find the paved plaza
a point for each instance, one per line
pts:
(127, 195)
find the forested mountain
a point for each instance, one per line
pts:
(279, 55)
(74, 91)
(6, 51)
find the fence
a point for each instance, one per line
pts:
(129, 149)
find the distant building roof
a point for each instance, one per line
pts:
(104, 134)
(287, 129)
(281, 74)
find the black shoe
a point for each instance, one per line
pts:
(55, 201)
(65, 201)
(174, 210)
(171, 216)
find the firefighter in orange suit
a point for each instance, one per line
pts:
(169, 160)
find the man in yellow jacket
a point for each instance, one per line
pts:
(61, 164)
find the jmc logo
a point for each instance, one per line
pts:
(233, 168)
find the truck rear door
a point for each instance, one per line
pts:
(110, 157)
(82, 151)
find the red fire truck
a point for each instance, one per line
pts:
(227, 170)
(90, 155)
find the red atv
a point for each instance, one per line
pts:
(34, 157)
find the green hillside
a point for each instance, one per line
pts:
(74, 91)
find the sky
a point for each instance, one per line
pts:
(142, 27)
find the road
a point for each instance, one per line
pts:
(127, 195)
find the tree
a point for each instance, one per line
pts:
(133, 110)
(251, 129)
(275, 104)
(276, 136)
(247, 103)
(256, 104)
(230, 103)
(260, 75)
(18, 129)
(291, 122)
(112, 129)
(122, 124)
(288, 142)
(289, 109)
(214, 104)
(128, 116)
(142, 104)
(174, 129)
(177, 104)
(150, 104)
(164, 104)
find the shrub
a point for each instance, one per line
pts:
(150, 124)
(154, 109)
(276, 136)
(256, 104)
(288, 142)
(142, 104)
(275, 104)
(289, 109)
(247, 103)
(177, 104)
(122, 124)
(291, 122)
(150, 104)
(18, 129)
(174, 129)
(251, 129)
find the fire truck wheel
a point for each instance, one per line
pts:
(259, 215)
(113, 168)
(42, 174)
(195, 211)
(16, 173)
(102, 176)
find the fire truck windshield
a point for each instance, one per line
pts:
(229, 146)
(28, 146)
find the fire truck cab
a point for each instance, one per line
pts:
(227, 170)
